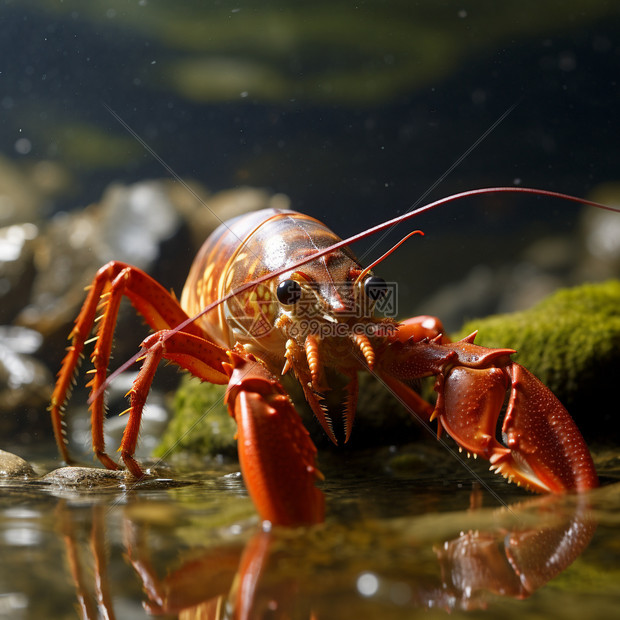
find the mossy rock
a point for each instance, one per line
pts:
(200, 424)
(571, 342)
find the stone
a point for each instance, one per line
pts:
(13, 466)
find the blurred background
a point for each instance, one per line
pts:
(128, 129)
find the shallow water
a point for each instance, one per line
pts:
(369, 119)
(393, 545)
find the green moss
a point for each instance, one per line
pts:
(201, 423)
(571, 342)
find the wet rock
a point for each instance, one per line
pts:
(129, 224)
(157, 226)
(85, 477)
(17, 270)
(25, 382)
(133, 221)
(13, 466)
(77, 477)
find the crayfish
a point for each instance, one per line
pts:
(275, 292)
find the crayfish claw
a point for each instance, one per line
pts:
(548, 452)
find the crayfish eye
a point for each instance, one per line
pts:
(288, 292)
(375, 288)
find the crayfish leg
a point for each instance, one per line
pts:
(276, 454)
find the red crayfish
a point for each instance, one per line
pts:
(273, 292)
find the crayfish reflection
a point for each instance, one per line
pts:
(332, 571)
